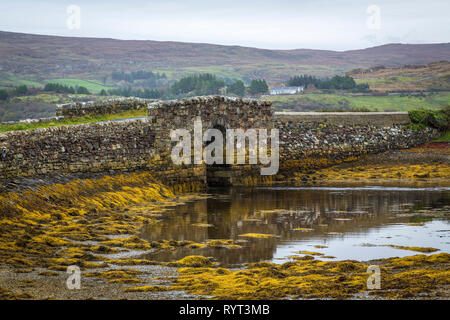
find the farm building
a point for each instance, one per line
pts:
(285, 90)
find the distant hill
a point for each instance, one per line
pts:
(37, 58)
(434, 76)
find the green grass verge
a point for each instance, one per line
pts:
(444, 138)
(71, 121)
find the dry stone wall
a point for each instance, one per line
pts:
(107, 106)
(77, 148)
(307, 142)
(374, 119)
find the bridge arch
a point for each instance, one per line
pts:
(215, 112)
(218, 174)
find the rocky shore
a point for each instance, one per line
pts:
(428, 163)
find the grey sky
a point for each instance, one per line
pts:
(275, 24)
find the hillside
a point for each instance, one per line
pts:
(434, 76)
(36, 58)
(359, 102)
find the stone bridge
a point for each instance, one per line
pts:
(307, 141)
(215, 112)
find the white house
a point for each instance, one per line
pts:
(285, 90)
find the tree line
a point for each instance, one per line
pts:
(336, 83)
(129, 92)
(54, 87)
(17, 91)
(136, 75)
(203, 84)
(61, 88)
(208, 84)
(195, 85)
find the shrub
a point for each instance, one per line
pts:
(419, 116)
(60, 88)
(21, 90)
(438, 119)
(415, 126)
(82, 90)
(258, 86)
(3, 94)
(237, 88)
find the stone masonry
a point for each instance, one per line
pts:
(116, 105)
(145, 144)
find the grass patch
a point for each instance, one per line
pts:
(52, 98)
(444, 138)
(72, 121)
(400, 83)
(9, 80)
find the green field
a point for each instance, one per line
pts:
(88, 84)
(8, 80)
(315, 102)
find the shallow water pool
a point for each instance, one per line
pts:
(344, 222)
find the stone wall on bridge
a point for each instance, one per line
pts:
(306, 142)
(125, 145)
(313, 142)
(91, 147)
(214, 111)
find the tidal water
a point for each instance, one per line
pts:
(346, 222)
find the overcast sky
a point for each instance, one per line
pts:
(275, 24)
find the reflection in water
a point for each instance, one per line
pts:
(341, 218)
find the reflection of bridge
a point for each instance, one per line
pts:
(307, 140)
(238, 211)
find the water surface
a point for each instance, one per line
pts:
(352, 222)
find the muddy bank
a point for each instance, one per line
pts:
(43, 284)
